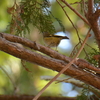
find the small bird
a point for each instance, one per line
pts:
(53, 40)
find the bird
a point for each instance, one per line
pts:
(53, 40)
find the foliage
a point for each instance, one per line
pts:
(92, 57)
(96, 2)
(84, 95)
(32, 12)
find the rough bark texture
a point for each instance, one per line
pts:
(93, 17)
(53, 62)
(93, 20)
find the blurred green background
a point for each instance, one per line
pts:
(14, 79)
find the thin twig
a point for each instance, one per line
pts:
(72, 24)
(75, 12)
(69, 19)
(67, 15)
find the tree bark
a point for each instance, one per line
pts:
(52, 61)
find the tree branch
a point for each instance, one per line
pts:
(78, 14)
(45, 61)
(93, 17)
(29, 97)
(81, 63)
(93, 20)
(74, 82)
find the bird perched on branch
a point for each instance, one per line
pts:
(53, 40)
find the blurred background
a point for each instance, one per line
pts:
(14, 79)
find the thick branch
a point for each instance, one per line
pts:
(93, 20)
(33, 45)
(29, 97)
(93, 17)
(90, 7)
(48, 62)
